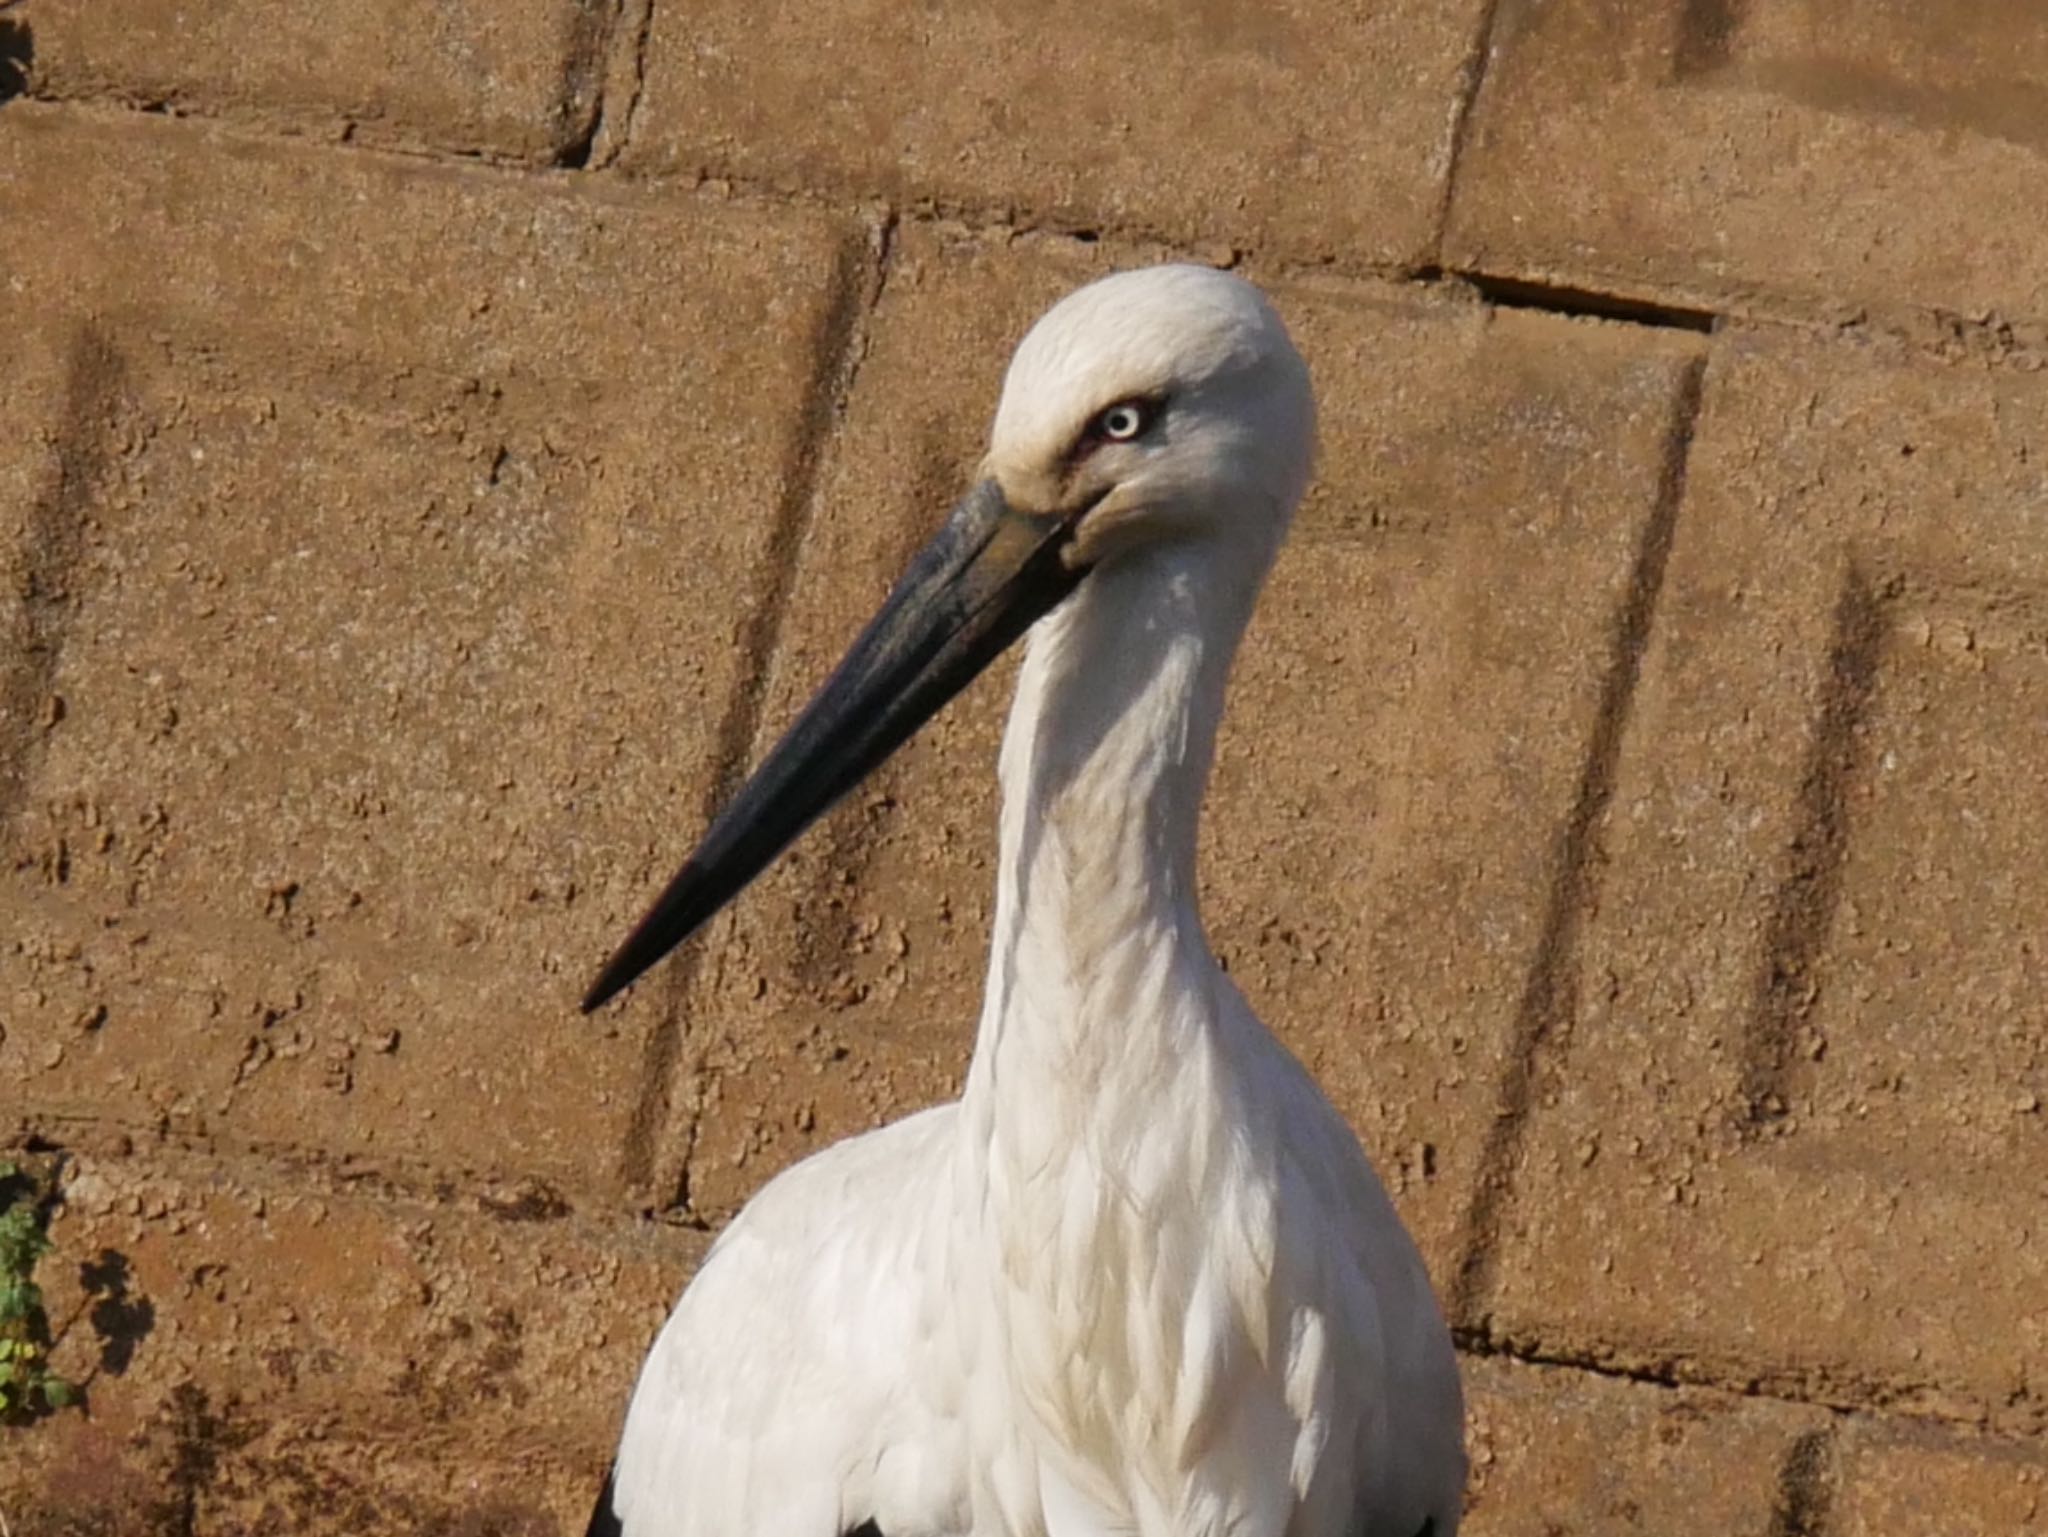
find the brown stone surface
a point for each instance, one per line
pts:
(271, 1484)
(319, 1345)
(1558, 1452)
(499, 77)
(1376, 891)
(1843, 154)
(1801, 1130)
(359, 547)
(195, 1470)
(1312, 127)
(395, 554)
(1899, 1480)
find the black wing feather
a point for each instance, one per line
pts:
(604, 1521)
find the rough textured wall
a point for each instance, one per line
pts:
(442, 444)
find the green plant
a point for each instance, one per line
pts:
(27, 1386)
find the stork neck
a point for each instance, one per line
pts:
(1100, 970)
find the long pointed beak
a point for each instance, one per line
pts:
(982, 581)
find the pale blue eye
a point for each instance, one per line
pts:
(1121, 423)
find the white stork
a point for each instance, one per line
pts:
(1140, 1279)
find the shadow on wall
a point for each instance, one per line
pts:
(120, 1317)
(17, 52)
(1829, 77)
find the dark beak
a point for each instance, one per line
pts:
(988, 575)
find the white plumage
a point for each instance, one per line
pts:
(1140, 1279)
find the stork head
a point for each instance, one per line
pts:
(1162, 406)
(1165, 403)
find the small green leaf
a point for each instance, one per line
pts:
(27, 1386)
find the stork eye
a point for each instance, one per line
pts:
(1124, 421)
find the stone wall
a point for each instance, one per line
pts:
(442, 444)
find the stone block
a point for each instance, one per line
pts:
(1899, 1479)
(1556, 1451)
(371, 512)
(516, 80)
(265, 1349)
(1844, 156)
(1800, 1131)
(1310, 127)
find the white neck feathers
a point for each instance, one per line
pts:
(1099, 968)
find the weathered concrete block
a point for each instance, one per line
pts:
(376, 508)
(1312, 127)
(275, 1349)
(1901, 1478)
(1558, 1451)
(479, 76)
(1846, 155)
(1801, 1129)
